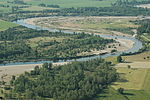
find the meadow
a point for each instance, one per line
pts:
(75, 3)
(5, 25)
(142, 57)
(135, 81)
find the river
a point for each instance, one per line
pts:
(136, 47)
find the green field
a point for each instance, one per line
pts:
(136, 88)
(5, 25)
(110, 94)
(133, 78)
(61, 3)
(33, 5)
(35, 8)
(75, 3)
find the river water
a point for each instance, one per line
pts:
(137, 45)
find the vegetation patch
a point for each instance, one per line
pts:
(131, 78)
(5, 25)
(75, 81)
(23, 44)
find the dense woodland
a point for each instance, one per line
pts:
(16, 45)
(75, 81)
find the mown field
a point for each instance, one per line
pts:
(134, 81)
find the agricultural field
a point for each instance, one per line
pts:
(142, 57)
(109, 94)
(135, 81)
(5, 25)
(137, 94)
(75, 3)
(132, 78)
(35, 8)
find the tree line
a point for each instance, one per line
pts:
(117, 10)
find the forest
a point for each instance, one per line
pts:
(18, 44)
(74, 81)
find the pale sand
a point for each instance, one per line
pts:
(7, 71)
(124, 45)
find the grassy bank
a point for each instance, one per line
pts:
(5, 25)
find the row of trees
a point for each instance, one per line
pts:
(75, 81)
(45, 5)
(117, 10)
(130, 3)
(109, 11)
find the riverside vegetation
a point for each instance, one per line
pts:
(22, 44)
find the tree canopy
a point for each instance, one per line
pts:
(74, 81)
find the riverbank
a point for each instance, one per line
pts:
(7, 71)
(127, 44)
(71, 24)
(93, 24)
